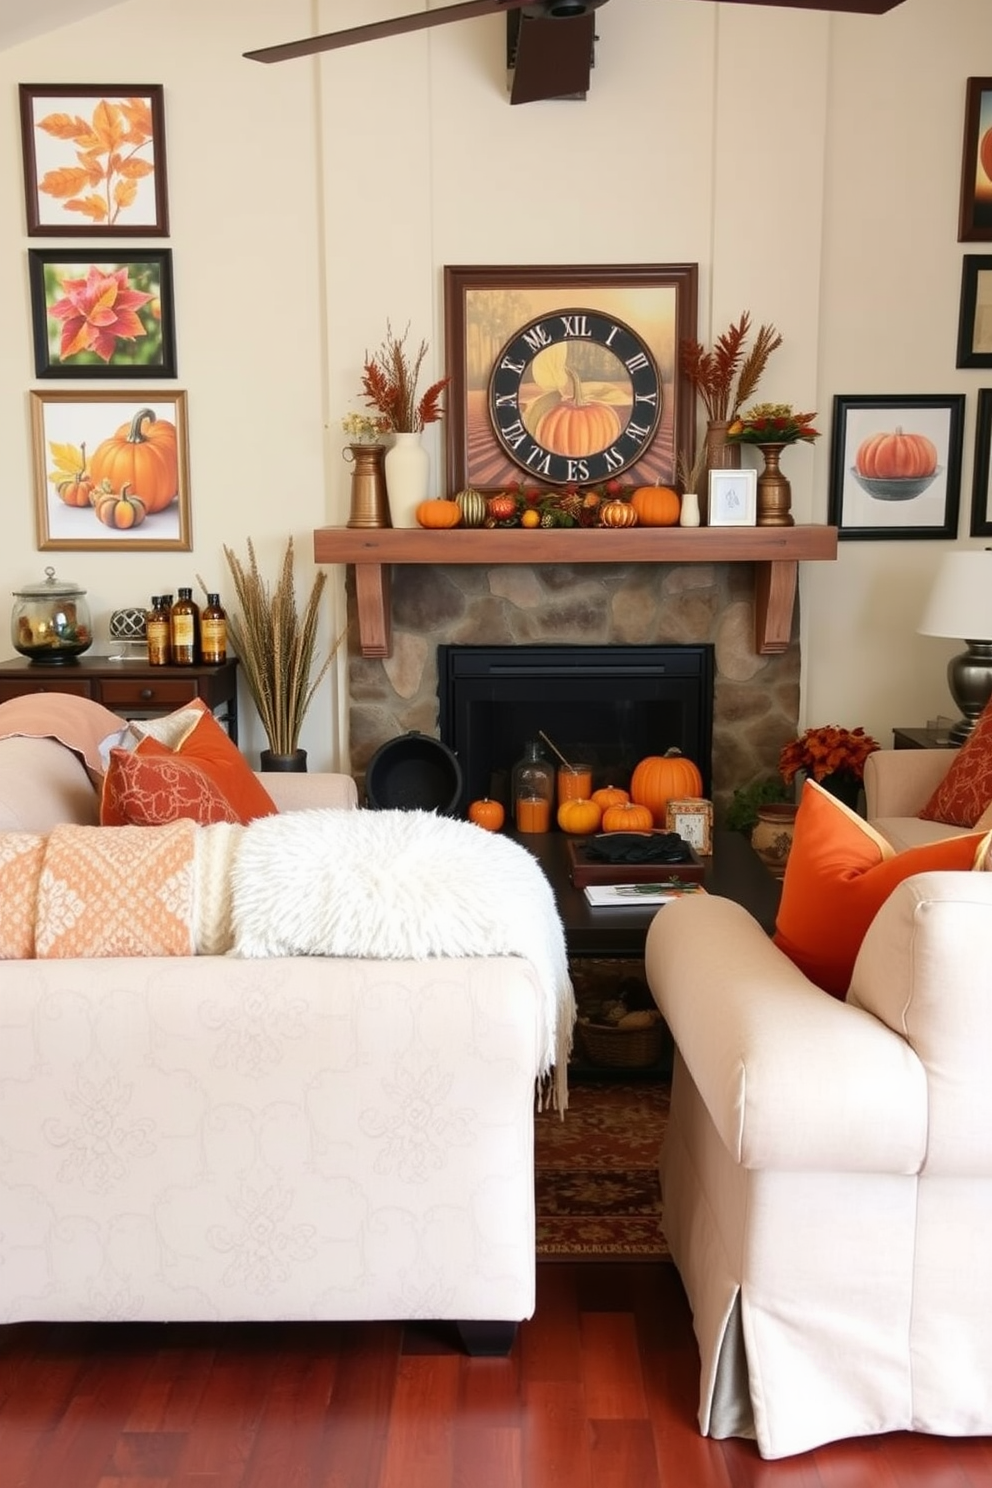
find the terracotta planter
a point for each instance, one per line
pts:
(772, 835)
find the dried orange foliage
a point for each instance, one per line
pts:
(104, 182)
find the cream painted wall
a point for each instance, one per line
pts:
(808, 163)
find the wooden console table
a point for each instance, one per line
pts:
(775, 552)
(130, 688)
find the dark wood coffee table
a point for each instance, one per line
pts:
(734, 870)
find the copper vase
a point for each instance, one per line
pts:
(369, 502)
(719, 456)
(774, 491)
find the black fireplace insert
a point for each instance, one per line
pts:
(609, 706)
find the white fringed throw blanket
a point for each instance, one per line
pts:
(401, 884)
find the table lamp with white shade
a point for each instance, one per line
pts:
(960, 605)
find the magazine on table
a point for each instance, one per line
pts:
(633, 895)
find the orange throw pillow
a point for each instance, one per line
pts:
(197, 741)
(142, 791)
(838, 874)
(966, 790)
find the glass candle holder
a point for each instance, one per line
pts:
(574, 783)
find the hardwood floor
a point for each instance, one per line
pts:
(599, 1392)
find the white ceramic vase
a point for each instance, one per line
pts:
(689, 510)
(407, 466)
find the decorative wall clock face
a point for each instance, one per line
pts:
(575, 397)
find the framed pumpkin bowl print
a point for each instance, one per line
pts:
(567, 376)
(895, 466)
(111, 470)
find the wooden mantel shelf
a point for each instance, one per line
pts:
(775, 551)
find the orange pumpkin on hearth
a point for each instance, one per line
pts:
(628, 817)
(661, 778)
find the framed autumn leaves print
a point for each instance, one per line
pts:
(95, 316)
(94, 160)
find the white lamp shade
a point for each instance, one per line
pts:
(960, 602)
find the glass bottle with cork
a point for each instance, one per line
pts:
(184, 625)
(158, 633)
(532, 787)
(213, 632)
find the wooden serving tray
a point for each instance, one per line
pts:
(583, 870)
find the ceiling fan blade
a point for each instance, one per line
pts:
(848, 7)
(552, 58)
(464, 11)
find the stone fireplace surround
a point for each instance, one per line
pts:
(756, 697)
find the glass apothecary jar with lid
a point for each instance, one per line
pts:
(50, 622)
(532, 788)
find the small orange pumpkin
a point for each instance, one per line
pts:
(77, 490)
(617, 513)
(502, 508)
(610, 795)
(579, 817)
(660, 778)
(438, 512)
(487, 814)
(145, 458)
(656, 506)
(628, 817)
(119, 509)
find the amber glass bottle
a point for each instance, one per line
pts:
(213, 632)
(157, 633)
(183, 629)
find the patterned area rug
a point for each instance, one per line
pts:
(598, 1194)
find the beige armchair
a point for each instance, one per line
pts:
(898, 784)
(827, 1169)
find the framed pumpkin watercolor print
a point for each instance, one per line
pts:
(94, 160)
(981, 490)
(567, 375)
(95, 317)
(975, 214)
(895, 466)
(111, 470)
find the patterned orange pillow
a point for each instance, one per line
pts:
(193, 735)
(966, 790)
(151, 790)
(838, 874)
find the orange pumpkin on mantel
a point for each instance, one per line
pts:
(628, 817)
(438, 512)
(617, 513)
(656, 506)
(579, 817)
(896, 456)
(661, 778)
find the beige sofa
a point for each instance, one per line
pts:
(280, 1138)
(898, 784)
(827, 1169)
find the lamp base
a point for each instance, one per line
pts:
(969, 677)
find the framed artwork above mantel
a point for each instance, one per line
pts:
(567, 375)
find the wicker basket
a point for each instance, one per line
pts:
(621, 1048)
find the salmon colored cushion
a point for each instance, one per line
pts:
(153, 791)
(838, 874)
(191, 737)
(965, 792)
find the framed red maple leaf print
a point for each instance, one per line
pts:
(94, 160)
(100, 316)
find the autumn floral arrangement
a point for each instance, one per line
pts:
(389, 385)
(827, 751)
(362, 428)
(772, 423)
(726, 376)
